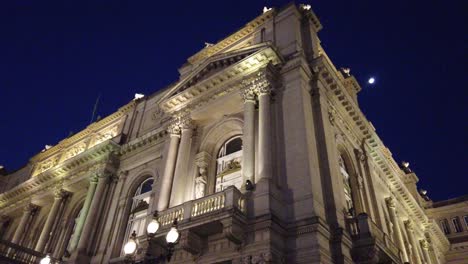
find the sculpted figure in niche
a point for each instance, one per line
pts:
(200, 184)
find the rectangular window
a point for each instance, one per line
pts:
(456, 224)
(445, 226)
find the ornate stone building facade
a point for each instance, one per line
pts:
(259, 150)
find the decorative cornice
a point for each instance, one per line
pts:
(220, 83)
(243, 32)
(92, 128)
(99, 157)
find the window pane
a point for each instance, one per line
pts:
(234, 146)
(147, 186)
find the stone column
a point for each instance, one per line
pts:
(169, 168)
(425, 248)
(264, 133)
(396, 225)
(248, 137)
(59, 195)
(28, 211)
(84, 212)
(181, 170)
(91, 219)
(412, 240)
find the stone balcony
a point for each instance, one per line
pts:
(370, 243)
(219, 213)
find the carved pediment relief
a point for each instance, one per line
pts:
(217, 71)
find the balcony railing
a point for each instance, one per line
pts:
(13, 253)
(362, 228)
(230, 198)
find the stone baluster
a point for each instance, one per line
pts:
(425, 248)
(264, 133)
(248, 137)
(93, 180)
(412, 240)
(169, 168)
(396, 225)
(28, 211)
(59, 196)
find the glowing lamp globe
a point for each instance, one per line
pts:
(45, 260)
(130, 247)
(371, 80)
(152, 227)
(172, 236)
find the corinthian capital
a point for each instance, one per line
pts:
(248, 94)
(60, 193)
(409, 225)
(179, 123)
(425, 244)
(391, 202)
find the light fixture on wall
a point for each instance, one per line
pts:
(172, 238)
(46, 260)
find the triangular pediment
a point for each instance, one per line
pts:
(211, 71)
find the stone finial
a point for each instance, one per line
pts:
(207, 45)
(305, 7)
(266, 9)
(405, 167)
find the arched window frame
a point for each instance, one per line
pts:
(228, 166)
(138, 212)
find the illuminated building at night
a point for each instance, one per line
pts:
(259, 150)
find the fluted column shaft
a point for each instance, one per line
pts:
(397, 229)
(425, 249)
(90, 223)
(28, 210)
(166, 184)
(412, 240)
(84, 213)
(264, 135)
(44, 237)
(180, 175)
(248, 137)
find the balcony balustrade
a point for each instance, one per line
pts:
(370, 243)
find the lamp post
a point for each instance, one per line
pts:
(172, 238)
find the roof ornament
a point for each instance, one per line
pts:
(305, 7)
(266, 9)
(405, 167)
(46, 147)
(207, 44)
(138, 96)
(346, 72)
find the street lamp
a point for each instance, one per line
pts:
(46, 260)
(130, 247)
(172, 238)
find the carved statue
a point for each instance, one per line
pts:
(200, 184)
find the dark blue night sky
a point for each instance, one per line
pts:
(56, 57)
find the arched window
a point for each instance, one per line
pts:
(229, 162)
(346, 187)
(139, 209)
(70, 247)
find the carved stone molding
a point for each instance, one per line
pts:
(191, 242)
(391, 202)
(233, 231)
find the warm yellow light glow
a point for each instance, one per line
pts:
(172, 236)
(45, 260)
(152, 227)
(130, 247)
